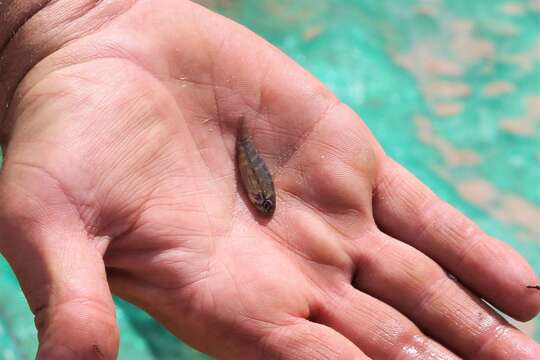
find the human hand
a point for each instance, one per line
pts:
(120, 156)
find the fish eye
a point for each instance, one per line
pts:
(268, 205)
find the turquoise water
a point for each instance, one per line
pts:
(466, 73)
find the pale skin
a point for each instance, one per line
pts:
(119, 177)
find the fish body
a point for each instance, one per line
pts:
(254, 175)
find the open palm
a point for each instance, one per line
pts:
(120, 171)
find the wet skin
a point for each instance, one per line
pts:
(120, 176)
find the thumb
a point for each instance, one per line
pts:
(60, 269)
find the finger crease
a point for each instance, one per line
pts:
(429, 294)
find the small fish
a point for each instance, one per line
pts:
(537, 287)
(254, 174)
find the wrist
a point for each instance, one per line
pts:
(31, 30)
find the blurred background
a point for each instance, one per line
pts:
(451, 88)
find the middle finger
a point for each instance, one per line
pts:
(418, 287)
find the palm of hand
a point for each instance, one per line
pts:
(138, 142)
